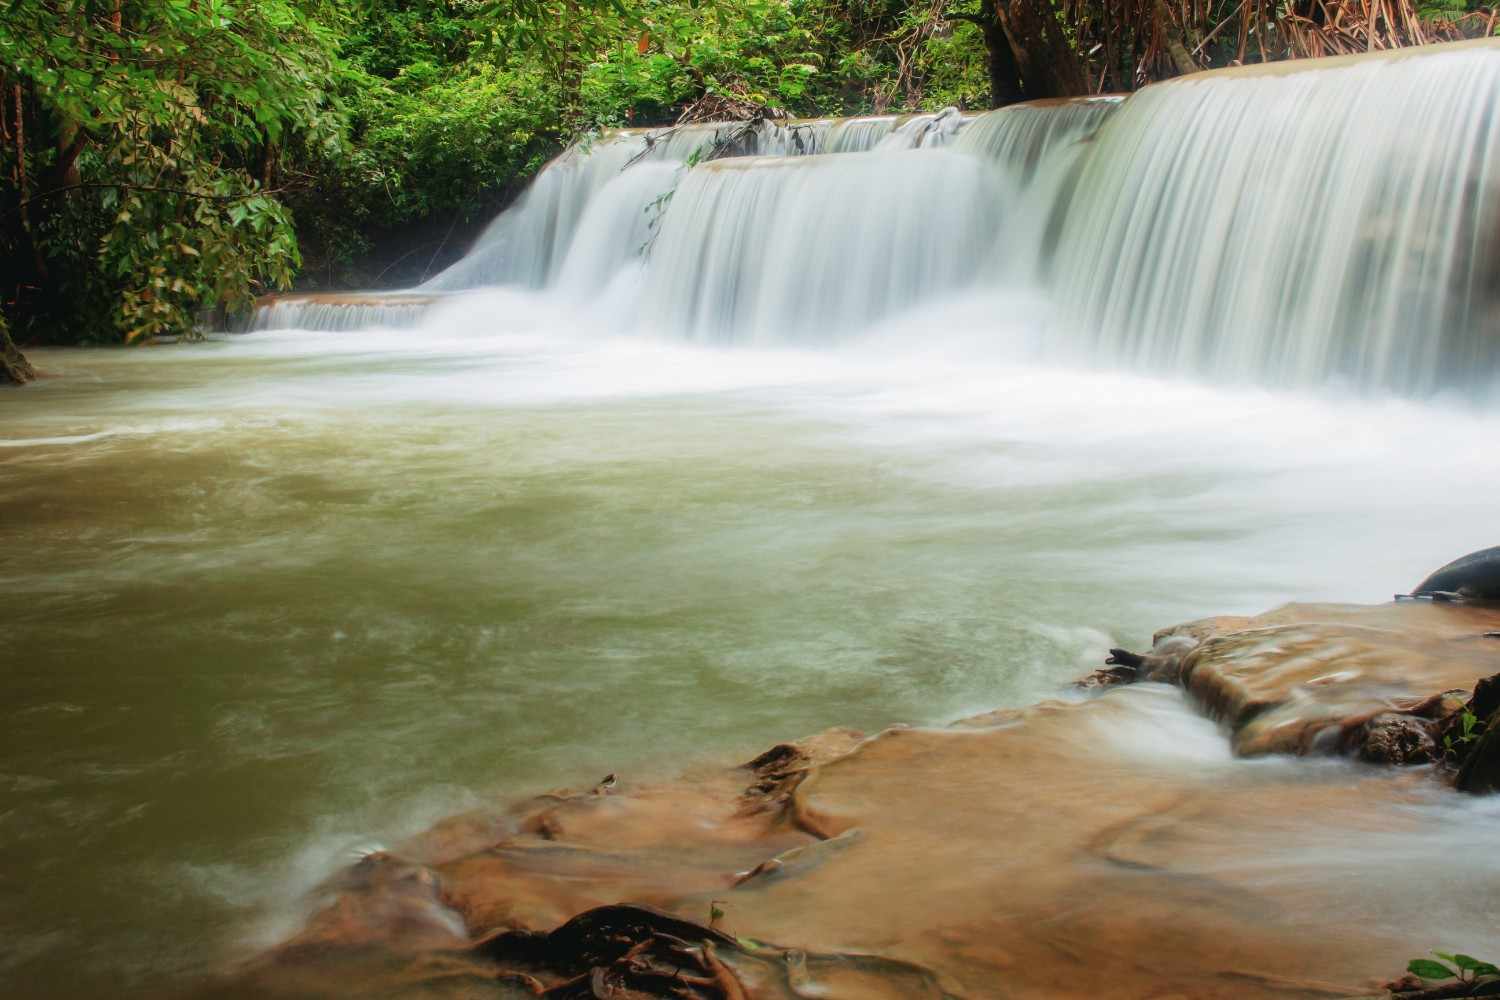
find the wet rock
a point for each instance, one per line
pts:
(984, 860)
(1480, 771)
(1385, 682)
(1474, 577)
(1163, 663)
(778, 771)
(1412, 988)
(1486, 699)
(991, 857)
(1299, 679)
(1109, 676)
(386, 900)
(1397, 738)
(13, 364)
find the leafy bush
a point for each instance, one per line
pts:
(172, 159)
(142, 132)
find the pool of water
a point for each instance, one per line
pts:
(275, 598)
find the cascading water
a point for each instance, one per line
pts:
(1021, 137)
(618, 225)
(1324, 220)
(1295, 227)
(756, 250)
(529, 244)
(335, 312)
(853, 135)
(925, 131)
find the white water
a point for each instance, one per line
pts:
(1289, 229)
(757, 251)
(313, 314)
(1335, 225)
(1021, 137)
(529, 243)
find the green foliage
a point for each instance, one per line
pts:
(183, 159)
(1464, 968)
(954, 69)
(453, 104)
(1468, 722)
(631, 86)
(1444, 10)
(164, 161)
(141, 137)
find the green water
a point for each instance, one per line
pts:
(272, 599)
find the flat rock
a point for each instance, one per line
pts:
(1111, 847)
(1301, 678)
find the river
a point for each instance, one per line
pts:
(276, 598)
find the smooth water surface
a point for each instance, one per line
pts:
(277, 598)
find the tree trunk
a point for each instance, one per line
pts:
(1181, 58)
(1045, 60)
(1005, 75)
(13, 364)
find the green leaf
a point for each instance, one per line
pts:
(1428, 969)
(1474, 965)
(1470, 720)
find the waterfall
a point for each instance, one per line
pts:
(816, 247)
(925, 131)
(853, 135)
(341, 312)
(618, 225)
(528, 244)
(1291, 227)
(1289, 224)
(1021, 136)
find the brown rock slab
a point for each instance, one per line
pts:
(1049, 852)
(1331, 677)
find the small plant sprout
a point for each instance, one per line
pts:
(1467, 721)
(715, 912)
(1464, 968)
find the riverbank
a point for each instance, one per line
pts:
(1118, 844)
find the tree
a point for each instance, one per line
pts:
(1000, 58)
(140, 138)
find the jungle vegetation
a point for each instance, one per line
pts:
(163, 162)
